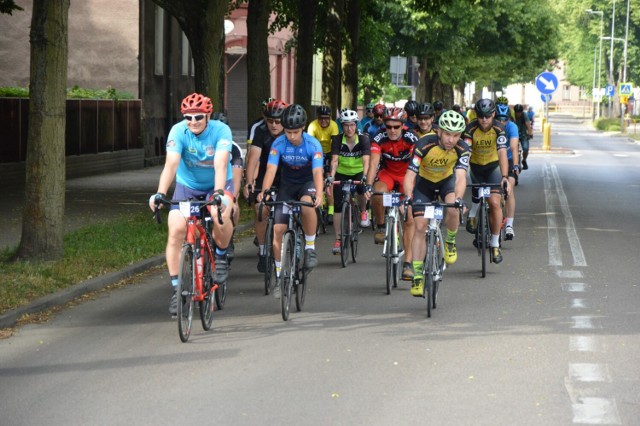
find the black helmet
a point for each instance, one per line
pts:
(456, 108)
(518, 108)
(411, 107)
(294, 117)
(323, 110)
(485, 107)
(438, 105)
(425, 109)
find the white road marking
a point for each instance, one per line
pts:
(583, 344)
(569, 274)
(596, 411)
(578, 304)
(583, 321)
(555, 252)
(585, 372)
(574, 287)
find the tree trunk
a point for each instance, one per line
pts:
(332, 69)
(42, 218)
(304, 53)
(202, 21)
(258, 56)
(350, 67)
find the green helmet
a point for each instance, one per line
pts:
(452, 122)
(502, 100)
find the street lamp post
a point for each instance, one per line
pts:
(601, 13)
(623, 107)
(613, 80)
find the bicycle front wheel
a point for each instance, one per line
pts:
(389, 244)
(355, 232)
(428, 271)
(186, 289)
(482, 238)
(270, 269)
(438, 267)
(399, 252)
(287, 273)
(207, 305)
(345, 233)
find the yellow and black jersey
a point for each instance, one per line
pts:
(485, 145)
(433, 163)
(419, 133)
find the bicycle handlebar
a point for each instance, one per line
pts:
(271, 192)
(216, 200)
(459, 206)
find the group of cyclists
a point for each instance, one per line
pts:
(423, 151)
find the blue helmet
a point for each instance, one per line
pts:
(502, 111)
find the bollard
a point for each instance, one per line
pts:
(546, 137)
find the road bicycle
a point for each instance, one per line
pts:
(349, 220)
(393, 248)
(483, 226)
(195, 278)
(293, 274)
(270, 267)
(434, 264)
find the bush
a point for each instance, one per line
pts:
(73, 93)
(607, 124)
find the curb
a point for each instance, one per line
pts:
(10, 318)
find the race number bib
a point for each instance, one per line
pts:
(288, 209)
(434, 212)
(188, 210)
(391, 200)
(485, 192)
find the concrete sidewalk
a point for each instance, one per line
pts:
(88, 200)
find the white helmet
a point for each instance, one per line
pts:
(348, 116)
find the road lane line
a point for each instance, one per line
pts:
(594, 411)
(583, 344)
(574, 287)
(572, 235)
(587, 372)
(583, 321)
(555, 253)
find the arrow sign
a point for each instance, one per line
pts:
(546, 83)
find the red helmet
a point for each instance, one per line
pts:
(378, 109)
(196, 102)
(275, 108)
(395, 113)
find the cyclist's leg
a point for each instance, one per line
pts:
(309, 224)
(337, 209)
(382, 184)
(451, 221)
(524, 142)
(330, 197)
(475, 200)
(409, 231)
(510, 205)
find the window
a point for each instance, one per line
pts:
(159, 42)
(185, 55)
(566, 92)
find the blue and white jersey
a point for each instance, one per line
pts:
(296, 162)
(197, 153)
(511, 130)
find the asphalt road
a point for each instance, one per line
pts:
(549, 337)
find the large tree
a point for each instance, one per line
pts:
(202, 21)
(258, 56)
(42, 218)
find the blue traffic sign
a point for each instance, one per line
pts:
(611, 90)
(545, 98)
(546, 82)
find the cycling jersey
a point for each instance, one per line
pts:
(394, 155)
(485, 145)
(197, 152)
(511, 131)
(323, 135)
(236, 156)
(372, 129)
(252, 130)
(350, 160)
(420, 134)
(296, 162)
(263, 139)
(434, 163)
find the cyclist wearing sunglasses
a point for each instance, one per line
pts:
(198, 157)
(390, 155)
(489, 164)
(377, 124)
(257, 158)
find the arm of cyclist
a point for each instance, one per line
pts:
(332, 173)
(171, 164)
(373, 168)
(504, 169)
(513, 146)
(253, 155)
(318, 181)
(267, 181)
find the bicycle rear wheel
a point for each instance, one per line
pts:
(345, 233)
(270, 269)
(399, 253)
(482, 237)
(301, 277)
(355, 232)
(287, 273)
(186, 288)
(220, 295)
(207, 306)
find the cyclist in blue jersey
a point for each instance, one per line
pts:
(368, 117)
(503, 116)
(300, 158)
(526, 132)
(374, 126)
(198, 157)
(411, 107)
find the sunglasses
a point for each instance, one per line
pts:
(273, 121)
(394, 127)
(194, 117)
(484, 117)
(377, 116)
